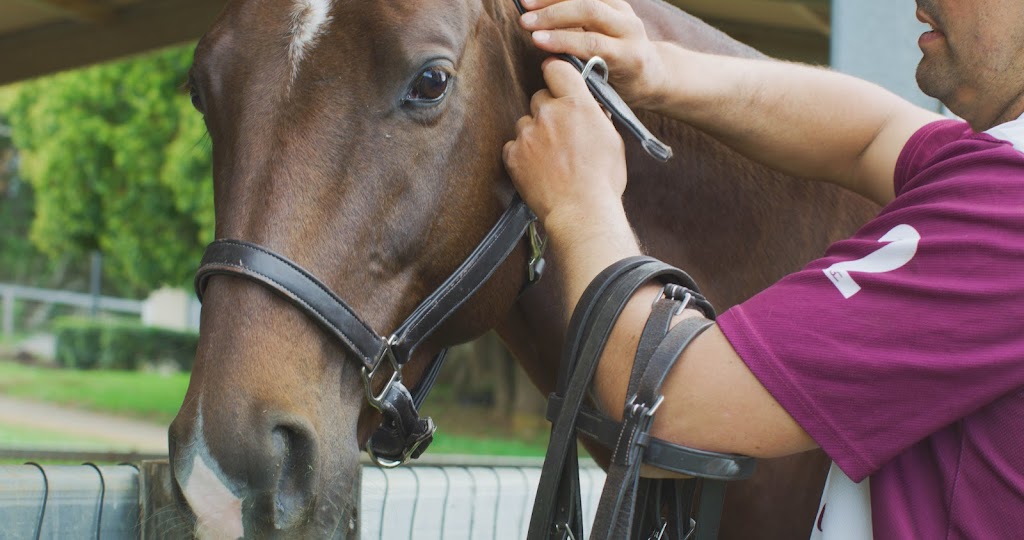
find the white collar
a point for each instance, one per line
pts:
(1012, 131)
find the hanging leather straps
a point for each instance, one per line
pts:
(630, 507)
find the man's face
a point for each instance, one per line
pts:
(974, 59)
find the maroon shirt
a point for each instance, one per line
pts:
(901, 352)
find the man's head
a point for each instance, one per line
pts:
(974, 58)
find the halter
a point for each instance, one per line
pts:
(403, 435)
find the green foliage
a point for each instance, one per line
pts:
(119, 163)
(78, 343)
(120, 344)
(19, 260)
(128, 346)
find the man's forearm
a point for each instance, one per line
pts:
(801, 120)
(591, 242)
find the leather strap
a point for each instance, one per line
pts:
(661, 503)
(616, 511)
(465, 281)
(296, 285)
(589, 328)
(316, 300)
(613, 103)
(403, 434)
(661, 454)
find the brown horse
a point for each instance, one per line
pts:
(363, 140)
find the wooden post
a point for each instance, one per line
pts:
(8, 311)
(159, 516)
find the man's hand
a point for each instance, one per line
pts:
(569, 164)
(611, 30)
(567, 161)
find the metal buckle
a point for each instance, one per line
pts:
(693, 529)
(389, 355)
(391, 464)
(596, 61)
(564, 528)
(633, 407)
(659, 534)
(672, 291)
(537, 245)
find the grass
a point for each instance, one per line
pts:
(143, 395)
(156, 397)
(16, 436)
(445, 443)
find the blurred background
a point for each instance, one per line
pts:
(106, 205)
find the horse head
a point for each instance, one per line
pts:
(361, 140)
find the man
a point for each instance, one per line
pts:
(901, 352)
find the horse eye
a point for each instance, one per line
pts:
(197, 101)
(430, 87)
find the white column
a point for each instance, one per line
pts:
(877, 40)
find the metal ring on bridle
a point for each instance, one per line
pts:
(388, 354)
(596, 61)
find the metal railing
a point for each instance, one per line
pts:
(9, 293)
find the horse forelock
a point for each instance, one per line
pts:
(309, 19)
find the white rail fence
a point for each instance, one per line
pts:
(10, 293)
(168, 308)
(419, 502)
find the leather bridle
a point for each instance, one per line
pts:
(403, 435)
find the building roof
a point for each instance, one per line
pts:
(43, 36)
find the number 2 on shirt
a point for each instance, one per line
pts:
(900, 247)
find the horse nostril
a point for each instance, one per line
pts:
(295, 451)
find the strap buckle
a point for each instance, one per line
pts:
(538, 243)
(566, 531)
(396, 377)
(598, 62)
(407, 454)
(679, 293)
(633, 407)
(660, 533)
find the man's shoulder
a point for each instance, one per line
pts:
(949, 151)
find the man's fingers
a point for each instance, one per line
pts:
(563, 80)
(582, 45)
(522, 124)
(539, 99)
(591, 15)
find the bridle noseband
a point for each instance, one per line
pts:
(403, 435)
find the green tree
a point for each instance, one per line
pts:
(119, 162)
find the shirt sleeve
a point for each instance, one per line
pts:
(913, 323)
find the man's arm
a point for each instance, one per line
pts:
(804, 121)
(801, 120)
(713, 401)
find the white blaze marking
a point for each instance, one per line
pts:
(901, 247)
(218, 512)
(308, 19)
